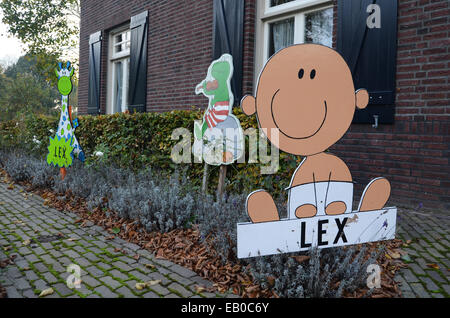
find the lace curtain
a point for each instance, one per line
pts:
(119, 89)
(282, 33)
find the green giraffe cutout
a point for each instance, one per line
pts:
(66, 128)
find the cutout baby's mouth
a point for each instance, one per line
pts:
(276, 124)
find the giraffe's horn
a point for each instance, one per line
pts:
(68, 65)
(60, 66)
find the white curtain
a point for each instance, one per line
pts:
(119, 82)
(283, 34)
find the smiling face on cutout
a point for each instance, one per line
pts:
(307, 92)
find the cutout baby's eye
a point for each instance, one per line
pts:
(301, 73)
(313, 74)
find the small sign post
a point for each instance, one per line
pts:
(219, 139)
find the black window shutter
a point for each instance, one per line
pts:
(95, 48)
(228, 37)
(137, 90)
(371, 55)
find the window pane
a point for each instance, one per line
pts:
(319, 27)
(118, 38)
(118, 82)
(274, 3)
(126, 76)
(281, 35)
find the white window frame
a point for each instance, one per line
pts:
(112, 58)
(267, 15)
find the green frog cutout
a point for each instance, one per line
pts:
(219, 138)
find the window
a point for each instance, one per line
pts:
(274, 3)
(118, 70)
(285, 22)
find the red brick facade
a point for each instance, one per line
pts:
(179, 46)
(413, 153)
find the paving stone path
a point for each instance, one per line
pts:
(29, 230)
(430, 235)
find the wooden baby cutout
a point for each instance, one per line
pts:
(305, 102)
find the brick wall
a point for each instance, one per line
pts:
(179, 48)
(249, 46)
(414, 152)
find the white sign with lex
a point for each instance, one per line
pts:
(294, 235)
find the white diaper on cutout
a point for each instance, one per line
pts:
(320, 194)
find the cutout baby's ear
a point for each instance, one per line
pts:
(248, 105)
(362, 98)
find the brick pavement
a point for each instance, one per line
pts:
(428, 274)
(109, 268)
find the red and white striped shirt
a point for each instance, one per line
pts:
(218, 113)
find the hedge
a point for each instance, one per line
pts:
(144, 139)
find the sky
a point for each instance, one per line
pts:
(10, 47)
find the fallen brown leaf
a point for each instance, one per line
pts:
(302, 258)
(199, 289)
(433, 265)
(46, 292)
(141, 286)
(394, 255)
(153, 282)
(271, 280)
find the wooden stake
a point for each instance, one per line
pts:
(221, 185)
(205, 179)
(62, 172)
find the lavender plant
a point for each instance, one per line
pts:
(27, 168)
(314, 278)
(19, 170)
(218, 220)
